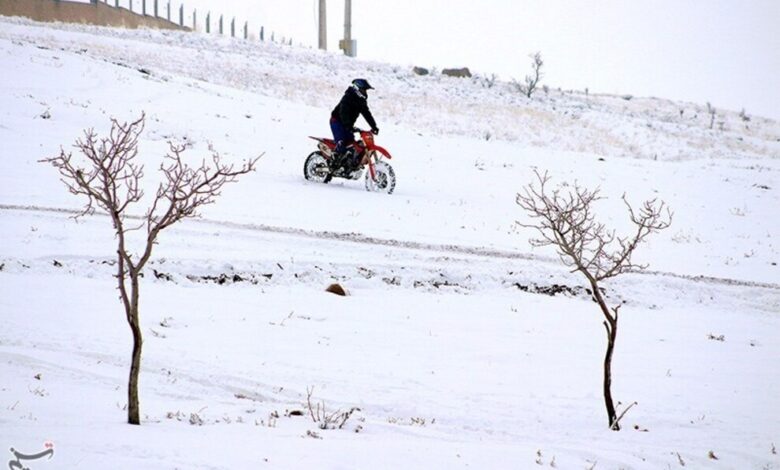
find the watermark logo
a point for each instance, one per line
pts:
(16, 464)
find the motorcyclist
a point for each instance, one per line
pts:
(342, 122)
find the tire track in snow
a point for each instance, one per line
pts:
(360, 238)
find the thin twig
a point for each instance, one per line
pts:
(617, 421)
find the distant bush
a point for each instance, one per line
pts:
(463, 72)
(531, 81)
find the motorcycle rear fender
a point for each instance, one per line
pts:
(327, 142)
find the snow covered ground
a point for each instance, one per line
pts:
(450, 361)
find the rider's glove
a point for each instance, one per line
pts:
(375, 130)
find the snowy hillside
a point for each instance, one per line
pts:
(448, 345)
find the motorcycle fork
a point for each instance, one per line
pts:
(368, 159)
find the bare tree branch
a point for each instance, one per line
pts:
(565, 220)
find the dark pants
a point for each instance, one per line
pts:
(343, 136)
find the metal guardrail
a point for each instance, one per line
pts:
(163, 13)
(191, 21)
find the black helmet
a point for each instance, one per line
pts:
(362, 84)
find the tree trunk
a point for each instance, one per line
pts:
(610, 324)
(133, 409)
(611, 336)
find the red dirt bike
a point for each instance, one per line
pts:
(380, 176)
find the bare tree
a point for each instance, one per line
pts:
(564, 219)
(111, 181)
(531, 81)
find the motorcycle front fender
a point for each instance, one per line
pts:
(383, 151)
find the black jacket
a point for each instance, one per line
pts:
(349, 107)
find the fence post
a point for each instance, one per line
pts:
(262, 33)
(246, 29)
(208, 22)
(156, 10)
(221, 30)
(233, 27)
(181, 15)
(195, 19)
(116, 3)
(131, 5)
(143, 7)
(169, 10)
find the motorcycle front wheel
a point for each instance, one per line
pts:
(315, 168)
(384, 179)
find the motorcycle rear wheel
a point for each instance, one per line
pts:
(315, 168)
(384, 181)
